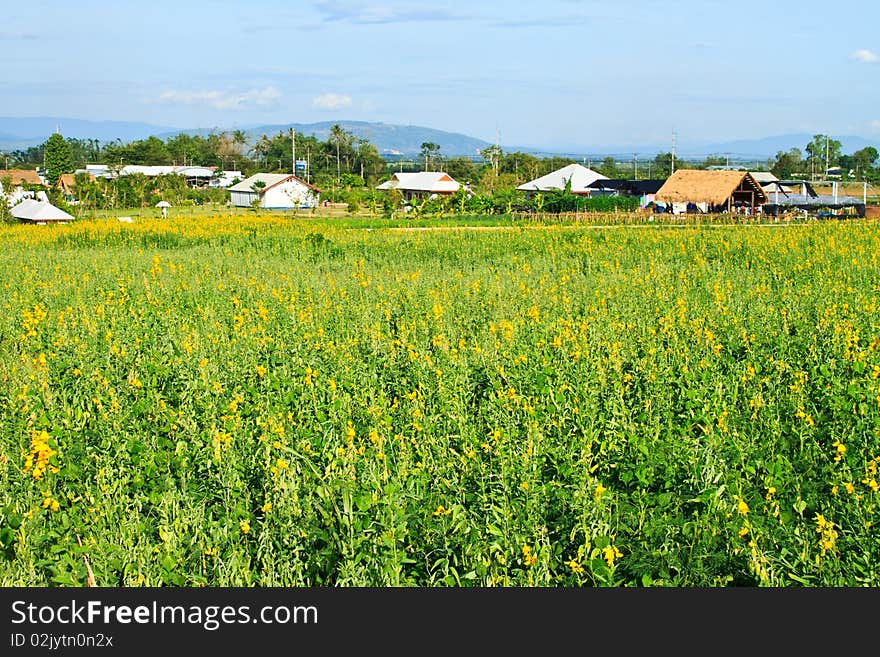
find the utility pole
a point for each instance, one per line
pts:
(826, 156)
(635, 166)
(672, 168)
(292, 151)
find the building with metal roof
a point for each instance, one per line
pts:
(580, 177)
(421, 184)
(274, 191)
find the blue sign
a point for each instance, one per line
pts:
(302, 164)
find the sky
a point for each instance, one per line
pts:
(577, 74)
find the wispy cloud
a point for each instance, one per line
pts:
(875, 125)
(331, 101)
(865, 56)
(363, 13)
(222, 100)
(17, 36)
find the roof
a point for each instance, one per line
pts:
(763, 177)
(270, 180)
(581, 177)
(30, 210)
(29, 176)
(713, 187)
(424, 181)
(68, 180)
(634, 187)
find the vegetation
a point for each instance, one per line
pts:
(58, 159)
(347, 170)
(248, 399)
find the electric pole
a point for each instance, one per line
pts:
(635, 166)
(826, 156)
(293, 151)
(672, 167)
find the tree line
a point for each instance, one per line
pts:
(347, 168)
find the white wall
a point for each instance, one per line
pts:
(290, 194)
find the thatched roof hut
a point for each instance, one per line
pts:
(716, 190)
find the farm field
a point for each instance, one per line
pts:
(248, 399)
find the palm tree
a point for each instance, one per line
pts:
(261, 147)
(239, 139)
(337, 133)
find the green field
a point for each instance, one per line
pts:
(251, 400)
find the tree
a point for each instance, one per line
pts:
(337, 134)
(58, 158)
(493, 155)
(864, 159)
(787, 164)
(608, 167)
(824, 154)
(430, 153)
(662, 166)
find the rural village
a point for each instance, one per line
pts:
(347, 172)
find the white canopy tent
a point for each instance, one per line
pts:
(39, 212)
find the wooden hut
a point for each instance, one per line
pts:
(711, 191)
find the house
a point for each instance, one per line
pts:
(422, 184)
(578, 175)
(67, 185)
(274, 191)
(39, 212)
(767, 180)
(226, 179)
(18, 179)
(690, 190)
(646, 190)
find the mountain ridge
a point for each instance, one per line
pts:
(403, 140)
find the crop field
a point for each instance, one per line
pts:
(246, 399)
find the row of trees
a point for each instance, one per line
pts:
(823, 154)
(347, 168)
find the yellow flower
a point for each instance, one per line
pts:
(442, 511)
(245, 526)
(600, 489)
(742, 507)
(610, 553)
(266, 508)
(37, 461)
(261, 371)
(575, 566)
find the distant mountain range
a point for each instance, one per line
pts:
(400, 140)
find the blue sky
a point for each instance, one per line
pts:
(553, 74)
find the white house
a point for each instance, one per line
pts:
(581, 178)
(275, 190)
(419, 185)
(226, 179)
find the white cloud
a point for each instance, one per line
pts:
(866, 56)
(331, 101)
(875, 125)
(222, 100)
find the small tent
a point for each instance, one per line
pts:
(38, 212)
